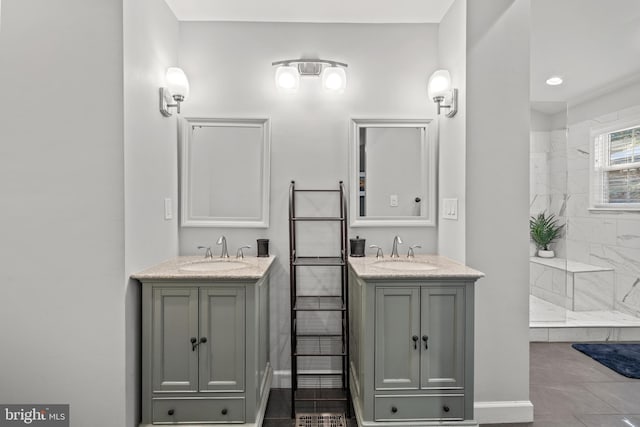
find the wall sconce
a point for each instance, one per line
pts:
(332, 74)
(177, 90)
(440, 90)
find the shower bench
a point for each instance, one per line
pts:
(573, 285)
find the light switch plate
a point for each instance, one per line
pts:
(450, 209)
(168, 209)
(393, 200)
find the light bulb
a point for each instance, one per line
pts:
(287, 78)
(334, 79)
(554, 81)
(439, 83)
(177, 82)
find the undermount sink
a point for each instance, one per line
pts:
(399, 265)
(213, 265)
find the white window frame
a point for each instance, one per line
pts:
(598, 166)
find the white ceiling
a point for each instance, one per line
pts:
(356, 11)
(593, 44)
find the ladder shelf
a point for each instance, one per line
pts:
(332, 345)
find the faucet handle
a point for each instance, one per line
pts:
(379, 253)
(208, 254)
(410, 253)
(239, 253)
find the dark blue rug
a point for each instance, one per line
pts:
(622, 358)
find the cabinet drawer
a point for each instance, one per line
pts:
(218, 410)
(424, 407)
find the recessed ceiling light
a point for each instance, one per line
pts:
(554, 81)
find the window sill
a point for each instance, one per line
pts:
(615, 209)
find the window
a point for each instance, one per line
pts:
(615, 180)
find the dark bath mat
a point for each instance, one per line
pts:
(622, 358)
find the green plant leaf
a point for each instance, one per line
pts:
(544, 230)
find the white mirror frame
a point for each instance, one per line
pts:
(187, 220)
(428, 172)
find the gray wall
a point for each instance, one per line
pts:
(62, 230)
(65, 168)
(497, 181)
(452, 55)
(229, 67)
(150, 165)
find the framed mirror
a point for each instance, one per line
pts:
(224, 176)
(392, 173)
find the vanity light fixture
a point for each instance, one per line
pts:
(332, 74)
(440, 90)
(177, 90)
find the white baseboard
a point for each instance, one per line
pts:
(509, 411)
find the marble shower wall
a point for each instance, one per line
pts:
(606, 238)
(548, 179)
(559, 184)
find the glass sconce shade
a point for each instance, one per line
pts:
(287, 78)
(177, 83)
(439, 84)
(334, 79)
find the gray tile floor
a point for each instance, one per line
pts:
(567, 388)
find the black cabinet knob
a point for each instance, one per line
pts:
(203, 340)
(426, 342)
(394, 409)
(415, 342)
(445, 408)
(224, 411)
(171, 412)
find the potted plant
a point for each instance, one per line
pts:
(544, 230)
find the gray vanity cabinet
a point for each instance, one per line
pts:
(412, 351)
(419, 338)
(174, 365)
(222, 318)
(198, 340)
(397, 357)
(205, 356)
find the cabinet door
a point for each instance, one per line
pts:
(222, 360)
(396, 352)
(442, 324)
(175, 323)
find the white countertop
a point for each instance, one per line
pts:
(171, 269)
(440, 268)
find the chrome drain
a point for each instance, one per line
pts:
(320, 420)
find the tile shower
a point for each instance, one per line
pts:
(597, 264)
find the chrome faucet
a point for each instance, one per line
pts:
(394, 250)
(410, 253)
(379, 253)
(207, 254)
(239, 253)
(223, 241)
